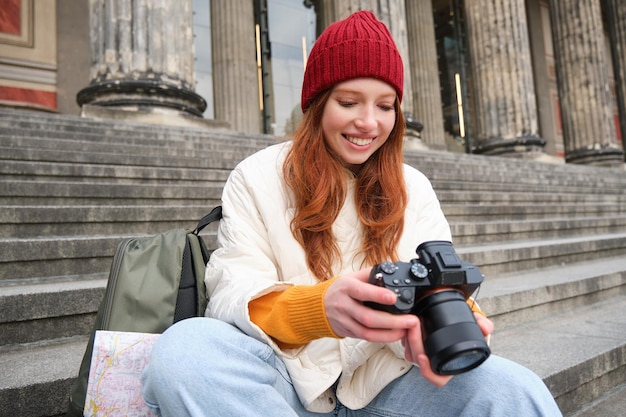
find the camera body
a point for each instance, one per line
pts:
(437, 267)
(434, 287)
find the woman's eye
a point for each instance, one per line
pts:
(386, 108)
(346, 103)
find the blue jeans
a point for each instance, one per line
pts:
(204, 367)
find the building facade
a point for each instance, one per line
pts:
(520, 78)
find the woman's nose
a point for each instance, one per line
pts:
(366, 120)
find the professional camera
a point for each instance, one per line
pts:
(434, 287)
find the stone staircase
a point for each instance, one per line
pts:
(550, 239)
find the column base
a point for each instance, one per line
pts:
(413, 142)
(136, 94)
(510, 147)
(597, 156)
(166, 117)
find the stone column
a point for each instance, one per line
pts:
(235, 81)
(586, 107)
(324, 14)
(505, 116)
(393, 14)
(424, 72)
(142, 58)
(616, 13)
(330, 11)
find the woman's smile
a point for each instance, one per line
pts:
(359, 141)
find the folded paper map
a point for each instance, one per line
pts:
(114, 385)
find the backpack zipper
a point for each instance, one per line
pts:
(112, 283)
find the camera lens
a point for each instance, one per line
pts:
(452, 339)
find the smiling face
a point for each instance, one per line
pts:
(358, 118)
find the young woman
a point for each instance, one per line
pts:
(288, 333)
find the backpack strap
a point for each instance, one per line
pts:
(214, 215)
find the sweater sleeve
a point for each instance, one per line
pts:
(475, 307)
(293, 317)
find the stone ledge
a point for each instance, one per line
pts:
(571, 349)
(153, 116)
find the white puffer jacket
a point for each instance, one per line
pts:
(257, 254)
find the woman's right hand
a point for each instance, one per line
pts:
(348, 317)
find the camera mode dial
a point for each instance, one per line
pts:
(418, 270)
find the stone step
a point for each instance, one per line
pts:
(67, 200)
(135, 134)
(506, 185)
(56, 255)
(20, 123)
(444, 165)
(468, 233)
(612, 402)
(511, 299)
(490, 194)
(236, 150)
(43, 309)
(509, 257)
(34, 221)
(207, 160)
(459, 212)
(570, 183)
(119, 174)
(66, 193)
(580, 354)
(36, 378)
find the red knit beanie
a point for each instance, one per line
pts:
(359, 46)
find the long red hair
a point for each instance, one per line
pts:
(317, 179)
